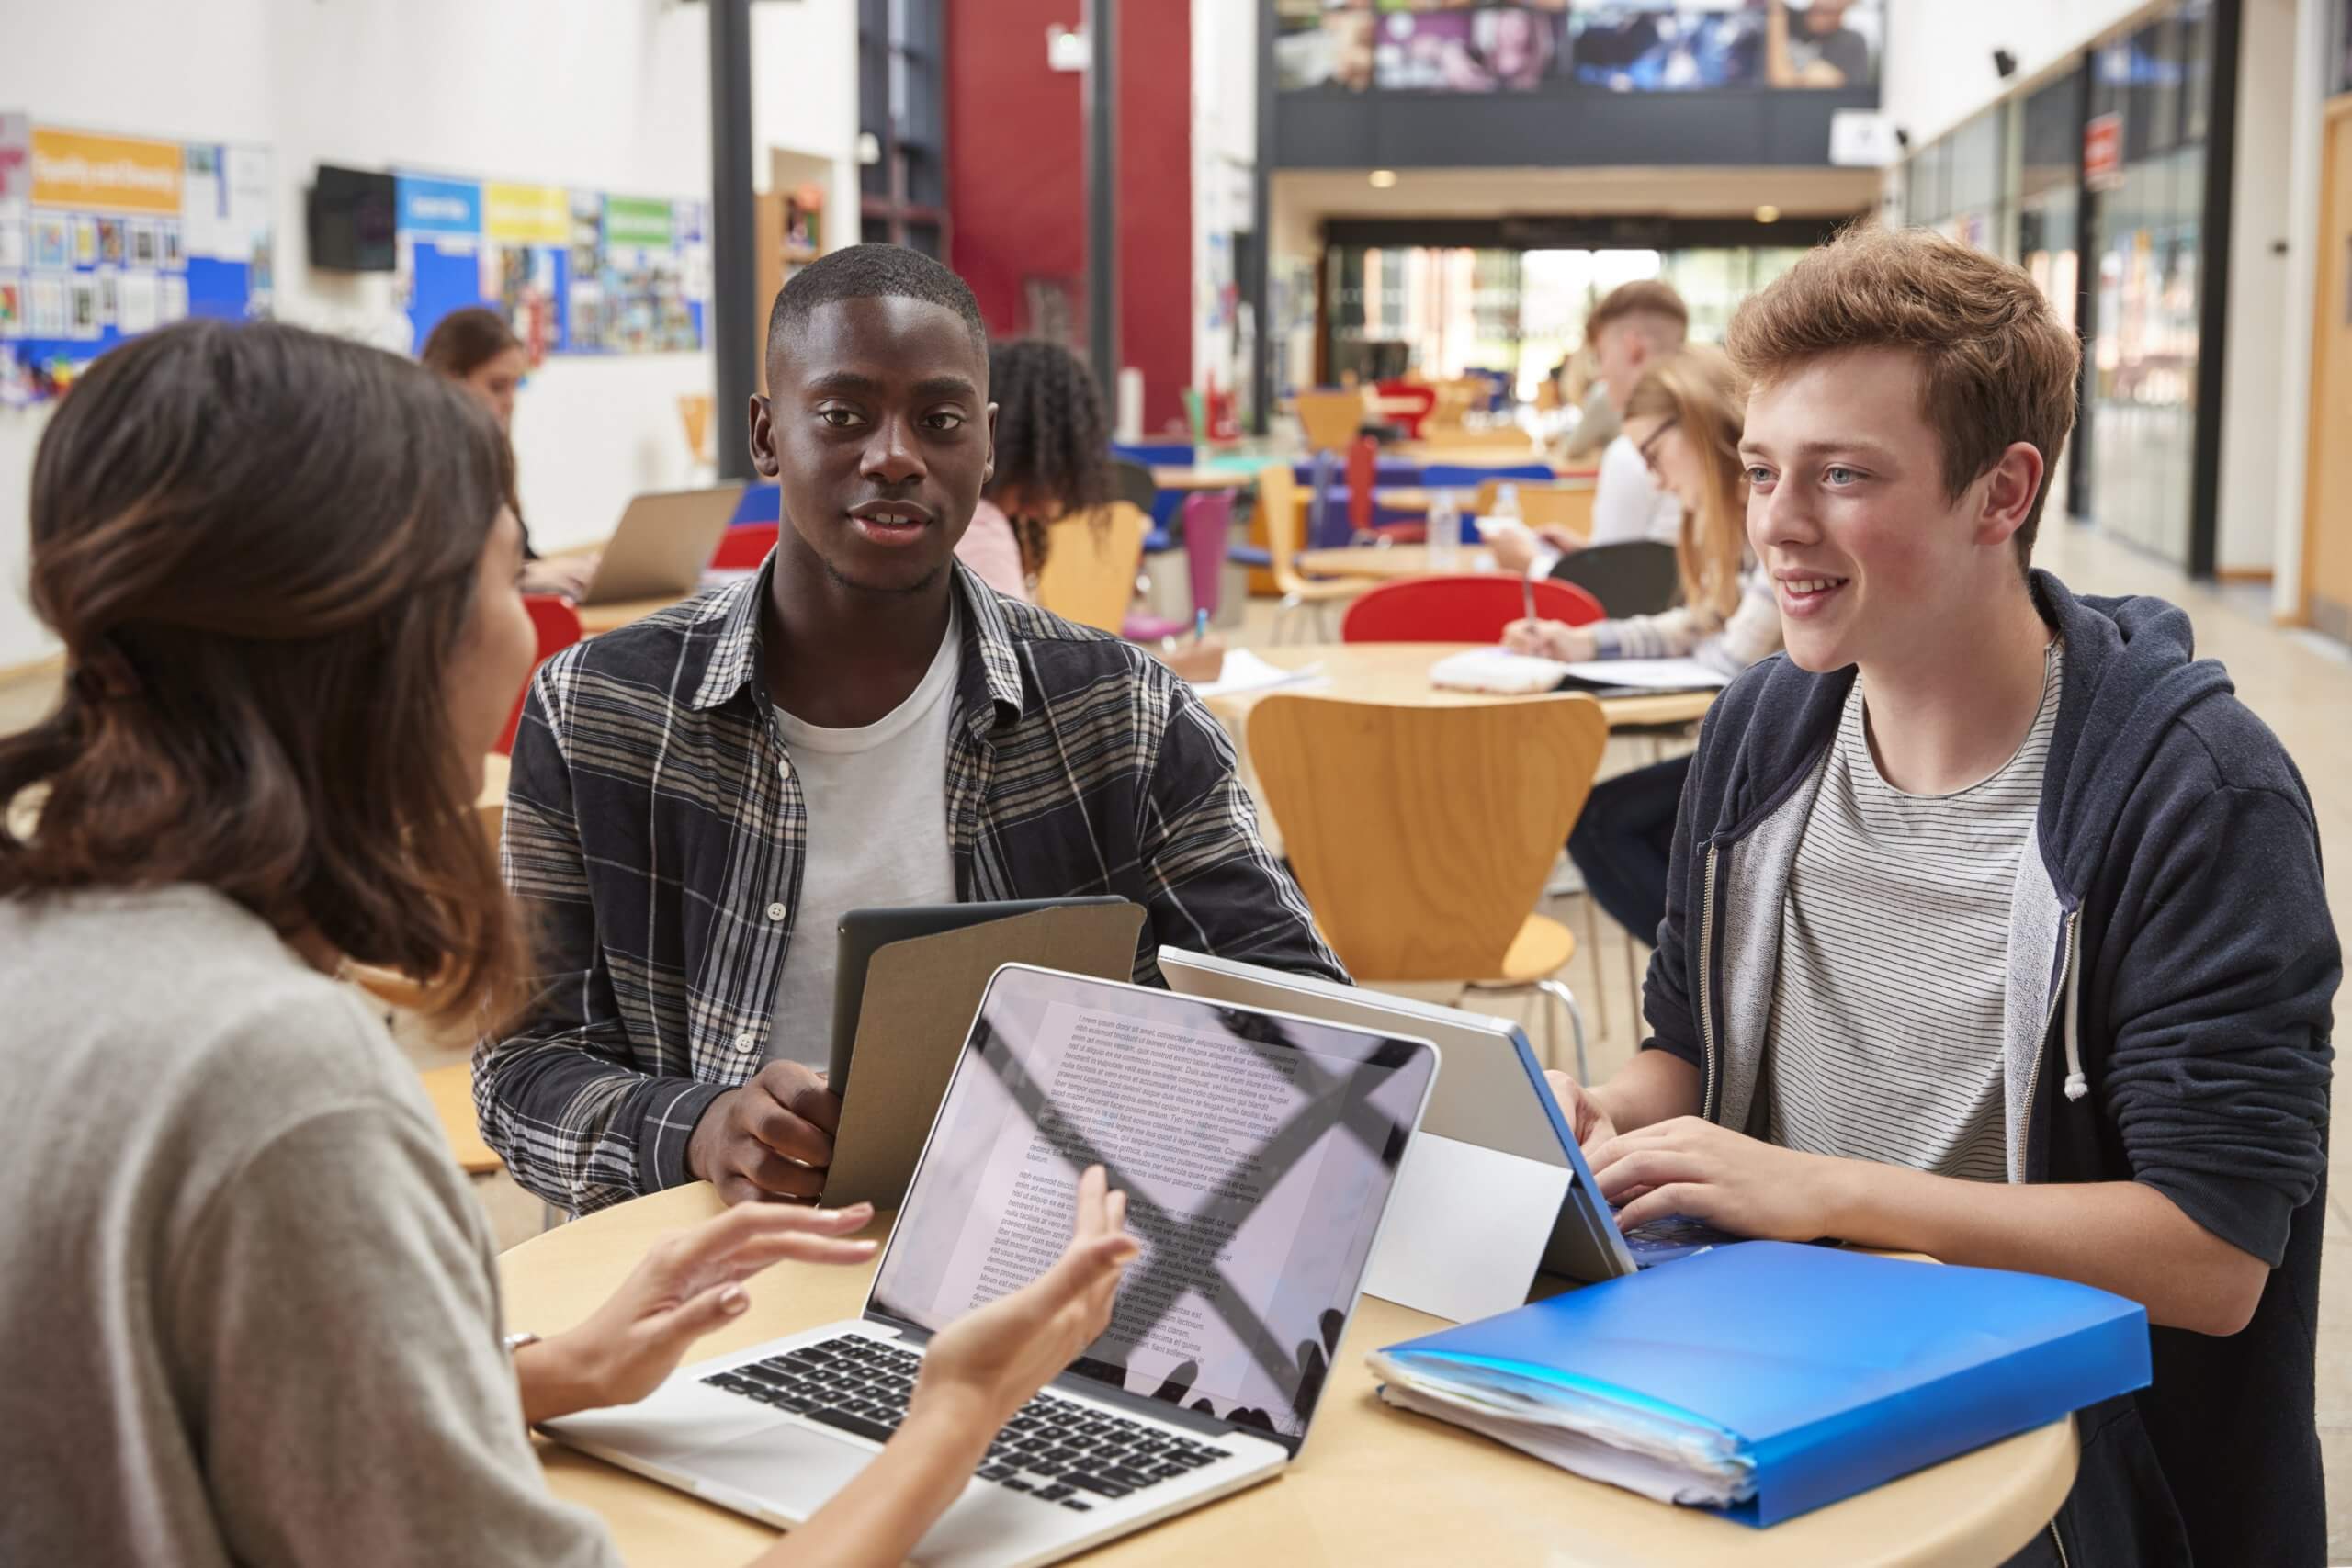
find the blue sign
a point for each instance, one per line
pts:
(439, 207)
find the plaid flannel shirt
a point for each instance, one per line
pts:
(656, 829)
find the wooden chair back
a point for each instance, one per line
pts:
(1331, 418)
(1423, 836)
(1281, 505)
(1542, 505)
(1091, 564)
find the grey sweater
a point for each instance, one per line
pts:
(248, 1310)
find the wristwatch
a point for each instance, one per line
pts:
(514, 1342)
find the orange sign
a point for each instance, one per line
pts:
(2103, 152)
(106, 173)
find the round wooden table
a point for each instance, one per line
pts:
(1391, 563)
(1399, 672)
(1373, 1485)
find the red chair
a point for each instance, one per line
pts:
(1363, 471)
(745, 546)
(1460, 609)
(1418, 392)
(558, 625)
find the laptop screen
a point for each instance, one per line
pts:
(1257, 1152)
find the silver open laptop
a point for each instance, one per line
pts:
(1258, 1151)
(663, 544)
(1491, 1098)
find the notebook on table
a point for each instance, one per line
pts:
(1767, 1379)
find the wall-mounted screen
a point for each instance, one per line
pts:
(1430, 46)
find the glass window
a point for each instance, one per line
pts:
(2144, 249)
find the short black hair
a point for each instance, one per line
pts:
(873, 272)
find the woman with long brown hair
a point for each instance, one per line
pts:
(248, 1306)
(1684, 416)
(475, 348)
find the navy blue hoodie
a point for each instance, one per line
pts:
(2188, 923)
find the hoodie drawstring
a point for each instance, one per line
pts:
(2076, 1085)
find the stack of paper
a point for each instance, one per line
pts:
(1245, 672)
(1497, 669)
(1661, 1454)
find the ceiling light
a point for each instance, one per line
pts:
(1768, 213)
(1382, 179)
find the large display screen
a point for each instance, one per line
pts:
(1608, 45)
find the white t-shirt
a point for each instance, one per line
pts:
(877, 835)
(1626, 504)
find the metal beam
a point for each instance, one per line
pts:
(735, 314)
(1103, 196)
(1258, 288)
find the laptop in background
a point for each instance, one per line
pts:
(661, 545)
(1258, 1204)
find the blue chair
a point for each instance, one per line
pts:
(1466, 476)
(1155, 454)
(759, 504)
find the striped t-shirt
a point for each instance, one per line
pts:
(1884, 1042)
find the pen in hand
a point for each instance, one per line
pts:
(1200, 624)
(1527, 595)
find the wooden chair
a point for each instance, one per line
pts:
(1278, 504)
(1329, 418)
(1545, 505)
(1423, 836)
(1088, 575)
(451, 1089)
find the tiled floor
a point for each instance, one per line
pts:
(2300, 685)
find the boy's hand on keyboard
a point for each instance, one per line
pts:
(689, 1282)
(985, 1365)
(1690, 1165)
(1588, 1122)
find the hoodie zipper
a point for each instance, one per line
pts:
(1707, 989)
(2056, 1540)
(2033, 1080)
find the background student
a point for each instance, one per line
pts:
(1635, 325)
(475, 348)
(284, 571)
(1683, 420)
(1053, 445)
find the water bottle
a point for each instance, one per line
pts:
(1507, 503)
(1445, 532)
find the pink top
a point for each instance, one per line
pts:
(989, 548)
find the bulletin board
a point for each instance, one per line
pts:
(571, 271)
(104, 237)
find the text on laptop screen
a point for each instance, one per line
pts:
(1257, 1152)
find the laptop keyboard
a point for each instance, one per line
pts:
(1054, 1450)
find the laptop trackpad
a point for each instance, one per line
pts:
(789, 1468)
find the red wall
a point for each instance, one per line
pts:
(1016, 175)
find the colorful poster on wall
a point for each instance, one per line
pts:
(571, 271)
(103, 237)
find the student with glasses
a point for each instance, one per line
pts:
(1683, 418)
